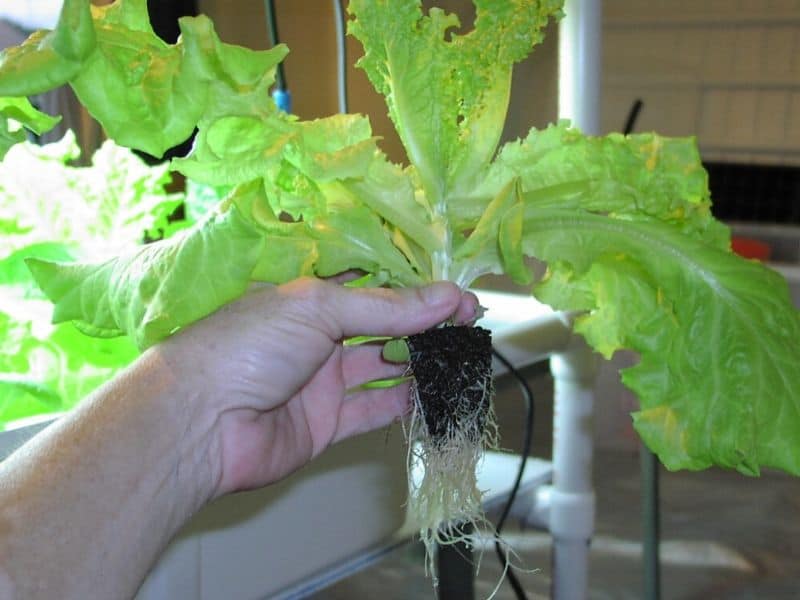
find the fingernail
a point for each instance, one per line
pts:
(475, 314)
(480, 310)
(437, 293)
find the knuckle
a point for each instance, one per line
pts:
(312, 302)
(308, 290)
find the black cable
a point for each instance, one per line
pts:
(633, 115)
(527, 396)
(272, 27)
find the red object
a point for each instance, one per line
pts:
(750, 248)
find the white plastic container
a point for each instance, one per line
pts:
(296, 534)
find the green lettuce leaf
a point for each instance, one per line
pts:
(718, 337)
(289, 250)
(152, 291)
(634, 176)
(15, 273)
(449, 118)
(389, 191)
(495, 245)
(17, 115)
(147, 94)
(343, 237)
(240, 128)
(172, 88)
(49, 59)
(356, 239)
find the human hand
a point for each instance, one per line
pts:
(271, 370)
(232, 402)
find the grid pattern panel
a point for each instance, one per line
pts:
(727, 71)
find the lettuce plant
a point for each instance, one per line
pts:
(623, 223)
(51, 210)
(18, 115)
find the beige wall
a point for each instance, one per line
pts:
(725, 70)
(307, 27)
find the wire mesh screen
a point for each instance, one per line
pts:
(758, 193)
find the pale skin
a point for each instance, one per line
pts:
(237, 401)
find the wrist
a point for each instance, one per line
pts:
(182, 427)
(130, 465)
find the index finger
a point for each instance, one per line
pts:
(347, 312)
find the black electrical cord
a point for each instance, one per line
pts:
(527, 396)
(272, 27)
(633, 115)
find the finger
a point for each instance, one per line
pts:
(365, 363)
(467, 311)
(347, 312)
(372, 409)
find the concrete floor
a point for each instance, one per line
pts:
(724, 535)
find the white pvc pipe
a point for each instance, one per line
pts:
(579, 63)
(571, 501)
(532, 341)
(573, 374)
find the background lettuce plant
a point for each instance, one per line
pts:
(51, 210)
(622, 222)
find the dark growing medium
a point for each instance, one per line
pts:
(452, 368)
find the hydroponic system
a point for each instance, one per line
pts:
(623, 224)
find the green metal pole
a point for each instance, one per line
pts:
(650, 525)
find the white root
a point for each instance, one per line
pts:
(444, 503)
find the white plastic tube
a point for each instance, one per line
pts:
(571, 501)
(532, 341)
(579, 63)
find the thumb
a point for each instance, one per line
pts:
(347, 312)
